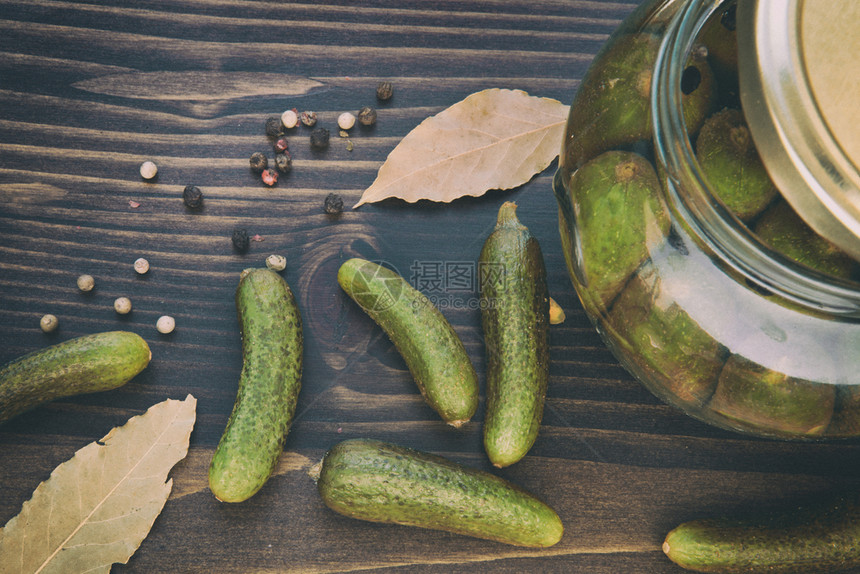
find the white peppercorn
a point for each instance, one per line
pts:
(148, 170)
(49, 323)
(290, 119)
(276, 262)
(122, 305)
(141, 265)
(86, 283)
(345, 121)
(165, 324)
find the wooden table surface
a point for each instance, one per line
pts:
(88, 91)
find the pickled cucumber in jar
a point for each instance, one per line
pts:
(730, 162)
(611, 109)
(664, 342)
(620, 216)
(767, 400)
(785, 232)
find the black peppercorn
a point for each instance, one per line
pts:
(259, 162)
(192, 196)
(333, 204)
(367, 116)
(384, 91)
(284, 162)
(274, 127)
(319, 139)
(241, 241)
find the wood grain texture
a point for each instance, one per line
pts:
(88, 91)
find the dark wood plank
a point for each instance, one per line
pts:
(90, 90)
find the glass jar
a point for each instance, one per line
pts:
(712, 283)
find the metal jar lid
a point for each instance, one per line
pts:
(800, 89)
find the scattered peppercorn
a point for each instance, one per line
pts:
(165, 324)
(384, 91)
(284, 162)
(122, 305)
(270, 177)
(345, 121)
(319, 139)
(333, 204)
(274, 127)
(259, 162)
(241, 241)
(309, 119)
(49, 323)
(367, 116)
(290, 119)
(192, 196)
(276, 262)
(148, 170)
(141, 266)
(86, 283)
(281, 144)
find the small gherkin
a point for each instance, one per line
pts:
(515, 323)
(620, 217)
(611, 110)
(728, 158)
(785, 232)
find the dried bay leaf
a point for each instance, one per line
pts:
(493, 139)
(97, 507)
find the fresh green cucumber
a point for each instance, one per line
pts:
(382, 482)
(272, 345)
(87, 364)
(819, 538)
(433, 352)
(515, 320)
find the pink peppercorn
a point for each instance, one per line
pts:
(270, 177)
